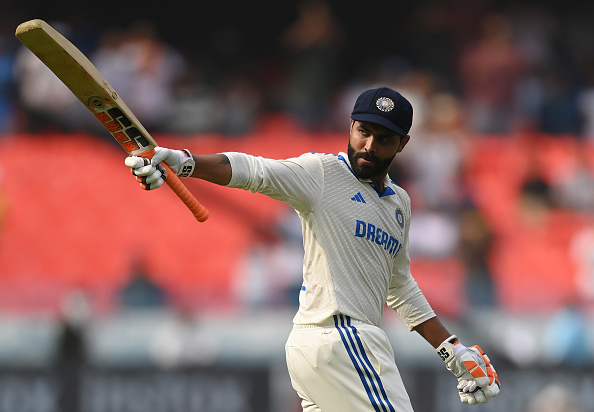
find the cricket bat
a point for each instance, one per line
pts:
(85, 81)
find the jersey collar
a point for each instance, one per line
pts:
(387, 181)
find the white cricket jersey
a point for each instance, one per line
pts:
(355, 239)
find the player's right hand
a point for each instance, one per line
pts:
(477, 379)
(148, 175)
(151, 174)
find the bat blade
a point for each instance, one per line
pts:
(89, 86)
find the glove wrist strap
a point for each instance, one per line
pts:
(187, 164)
(449, 348)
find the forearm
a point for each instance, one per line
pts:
(433, 331)
(213, 168)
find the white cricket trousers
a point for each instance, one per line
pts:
(343, 366)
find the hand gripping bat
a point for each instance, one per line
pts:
(76, 71)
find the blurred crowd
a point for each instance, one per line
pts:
(511, 67)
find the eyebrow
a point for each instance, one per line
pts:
(378, 130)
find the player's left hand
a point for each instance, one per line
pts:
(477, 379)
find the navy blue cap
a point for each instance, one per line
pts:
(385, 107)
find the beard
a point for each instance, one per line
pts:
(368, 170)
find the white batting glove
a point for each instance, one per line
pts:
(150, 177)
(151, 174)
(181, 162)
(477, 380)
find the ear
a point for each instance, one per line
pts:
(403, 141)
(352, 124)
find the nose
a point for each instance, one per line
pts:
(370, 144)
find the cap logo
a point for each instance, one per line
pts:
(385, 104)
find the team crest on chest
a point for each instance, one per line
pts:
(400, 218)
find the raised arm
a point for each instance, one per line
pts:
(214, 168)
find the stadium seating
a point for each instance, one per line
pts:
(80, 221)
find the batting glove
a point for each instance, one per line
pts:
(150, 177)
(181, 162)
(151, 174)
(477, 380)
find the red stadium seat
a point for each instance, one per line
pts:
(82, 222)
(532, 267)
(442, 281)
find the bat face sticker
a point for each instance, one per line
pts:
(120, 127)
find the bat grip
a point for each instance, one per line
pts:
(199, 211)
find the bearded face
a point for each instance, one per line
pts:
(366, 165)
(372, 148)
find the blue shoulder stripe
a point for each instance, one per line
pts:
(341, 157)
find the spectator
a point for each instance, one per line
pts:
(143, 69)
(270, 272)
(559, 111)
(474, 246)
(140, 291)
(489, 71)
(7, 89)
(241, 103)
(72, 349)
(435, 157)
(312, 44)
(46, 103)
(573, 187)
(196, 107)
(566, 339)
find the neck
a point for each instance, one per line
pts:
(379, 184)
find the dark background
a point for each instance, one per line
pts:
(239, 35)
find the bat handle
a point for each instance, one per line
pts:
(199, 211)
